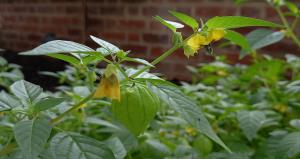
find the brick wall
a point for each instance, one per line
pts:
(127, 23)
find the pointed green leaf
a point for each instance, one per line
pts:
(289, 146)
(70, 59)
(132, 71)
(31, 136)
(103, 51)
(177, 38)
(117, 147)
(165, 23)
(186, 108)
(250, 122)
(8, 102)
(260, 38)
(292, 7)
(47, 103)
(138, 60)
(190, 21)
(238, 39)
(25, 90)
(57, 46)
(76, 146)
(229, 22)
(106, 45)
(295, 123)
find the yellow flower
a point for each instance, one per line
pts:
(222, 73)
(191, 131)
(109, 86)
(216, 34)
(282, 108)
(197, 41)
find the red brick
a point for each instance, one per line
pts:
(155, 38)
(136, 49)
(254, 12)
(114, 36)
(133, 37)
(132, 24)
(150, 11)
(210, 11)
(111, 10)
(34, 37)
(131, 10)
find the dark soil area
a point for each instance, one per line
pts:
(32, 65)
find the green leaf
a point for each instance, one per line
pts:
(229, 22)
(187, 108)
(89, 59)
(106, 45)
(250, 122)
(31, 136)
(47, 103)
(295, 123)
(103, 51)
(260, 38)
(190, 21)
(263, 37)
(238, 39)
(176, 38)
(57, 46)
(25, 90)
(165, 23)
(8, 102)
(138, 60)
(290, 145)
(132, 71)
(3, 61)
(117, 147)
(76, 146)
(292, 7)
(70, 59)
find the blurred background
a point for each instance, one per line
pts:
(25, 24)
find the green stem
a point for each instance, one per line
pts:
(295, 22)
(157, 60)
(288, 28)
(7, 149)
(272, 95)
(129, 155)
(76, 106)
(122, 72)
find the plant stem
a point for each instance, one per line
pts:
(157, 60)
(122, 72)
(295, 22)
(288, 28)
(7, 149)
(76, 106)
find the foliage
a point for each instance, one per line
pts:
(135, 114)
(250, 110)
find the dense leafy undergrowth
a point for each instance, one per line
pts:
(255, 109)
(229, 111)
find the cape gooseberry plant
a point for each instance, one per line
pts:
(134, 96)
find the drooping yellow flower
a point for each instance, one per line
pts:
(109, 86)
(196, 42)
(216, 34)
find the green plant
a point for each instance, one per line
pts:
(46, 125)
(254, 108)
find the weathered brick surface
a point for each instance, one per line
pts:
(127, 23)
